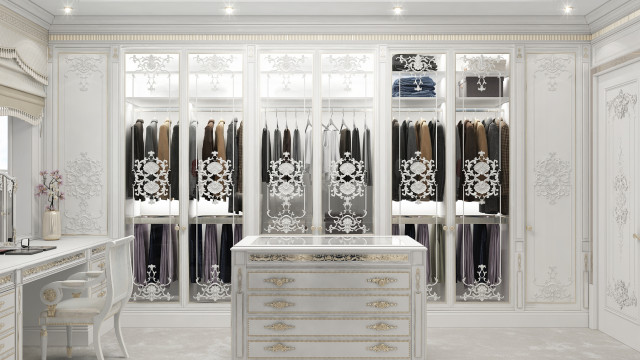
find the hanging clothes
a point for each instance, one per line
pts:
(345, 141)
(232, 155)
(166, 254)
(138, 152)
(395, 160)
(366, 157)
(438, 146)
(330, 149)
(504, 167)
(164, 148)
(410, 230)
(286, 142)
(412, 140)
(225, 253)
(220, 145)
(480, 249)
(460, 185)
(266, 154)
(470, 152)
(424, 146)
(174, 166)
(155, 247)
(195, 252)
(151, 140)
(129, 162)
(492, 203)
(237, 203)
(459, 264)
(436, 253)
(308, 148)
(355, 144)
(482, 139)
(296, 148)
(422, 236)
(277, 145)
(141, 234)
(208, 143)
(193, 161)
(404, 131)
(209, 251)
(494, 273)
(458, 160)
(468, 269)
(237, 233)
(395, 229)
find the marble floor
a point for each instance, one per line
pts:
(449, 344)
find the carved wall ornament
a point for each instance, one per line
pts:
(84, 66)
(346, 65)
(481, 289)
(84, 182)
(214, 178)
(417, 63)
(482, 177)
(152, 66)
(620, 292)
(553, 178)
(152, 289)
(618, 107)
(552, 67)
(215, 66)
(286, 182)
(620, 187)
(213, 289)
(285, 66)
(553, 290)
(151, 178)
(418, 178)
(482, 66)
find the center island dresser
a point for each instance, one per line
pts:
(328, 297)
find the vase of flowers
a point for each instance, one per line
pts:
(49, 189)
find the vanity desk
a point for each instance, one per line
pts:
(329, 297)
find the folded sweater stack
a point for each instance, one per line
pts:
(414, 87)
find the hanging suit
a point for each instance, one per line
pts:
(266, 154)
(395, 160)
(436, 130)
(174, 158)
(163, 150)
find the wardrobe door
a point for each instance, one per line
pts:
(215, 148)
(286, 93)
(482, 146)
(418, 123)
(347, 124)
(618, 172)
(550, 276)
(152, 113)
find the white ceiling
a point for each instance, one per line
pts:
(318, 8)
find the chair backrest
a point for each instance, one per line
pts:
(119, 273)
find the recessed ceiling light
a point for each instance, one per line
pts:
(68, 10)
(397, 10)
(228, 9)
(568, 9)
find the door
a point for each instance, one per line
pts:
(619, 227)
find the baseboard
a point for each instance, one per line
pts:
(57, 335)
(209, 318)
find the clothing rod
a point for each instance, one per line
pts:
(418, 110)
(336, 110)
(479, 110)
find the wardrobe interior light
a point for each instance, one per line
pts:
(68, 10)
(568, 9)
(228, 9)
(397, 10)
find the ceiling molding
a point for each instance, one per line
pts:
(613, 11)
(30, 11)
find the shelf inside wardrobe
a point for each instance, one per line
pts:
(398, 103)
(481, 102)
(216, 102)
(460, 219)
(155, 102)
(299, 103)
(152, 219)
(171, 219)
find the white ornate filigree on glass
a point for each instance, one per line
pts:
(619, 291)
(481, 177)
(618, 107)
(214, 66)
(553, 290)
(214, 289)
(151, 178)
(152, 289)
(481, 289)
(417, 63)
(347, 183)
(621, 187)
(84, 182)
(346, 65)
(552, 66)
(553, 178)
(214, 178)
(286, 65)
(286, 182)
(482, 66)
(84, 66)
(151, 65)
(430, 292)
(418, 178)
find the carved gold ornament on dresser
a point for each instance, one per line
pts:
(316, 299)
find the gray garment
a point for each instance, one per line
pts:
(366, 156)
(167, 270)
(266, 154)
(232, 149)
(492, 203)
(277, 144)
(296, 151)
(193, 162)
(151, 140)
(458, 159)
(436, 253)
(209, 251)
(412, 140)
(466, 255)
(494, 271)
(308, 148)
(141, 234)
(330, 149)
(355, 145)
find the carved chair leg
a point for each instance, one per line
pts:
(43, 341)
(69, 342)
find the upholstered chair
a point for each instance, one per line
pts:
(84, 310)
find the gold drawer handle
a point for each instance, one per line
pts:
(635, 236)
(279, 304)
(382, 348)
(381, 304)
(382, 281)
(76, 295)
(280, 326)
(102, 294)
(101, 265)
(279, 348)
(279, 281)
(382, 327)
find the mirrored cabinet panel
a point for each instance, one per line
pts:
(482, 177)
(152, 112)
(418, 125)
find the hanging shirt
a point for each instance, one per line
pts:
(308, 148)
(277, 145)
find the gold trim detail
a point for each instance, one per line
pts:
(102, 265)
(382, 327)
(279, 281)
(76, 295)
(316, 37)
(50, 295)
(329, 257)
(5, 279)
(69, 351)
(382, 281)
(98, 250)
(279, 347)
(38, 269)
(382, 304)
(615, 25)
(102, 294)
(1, 304)
(279, 304)
(43, 333)
(382, 348)
(51, 310)
(280, 326)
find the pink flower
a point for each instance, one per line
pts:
(43, 172)
(61, 196)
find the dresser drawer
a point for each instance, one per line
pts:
(7, 345)
(97, 264)
(99, 291)
(7, 322)
(330, 349)
(328, 280)
(329, 304)
(336, 327)
(7, 301)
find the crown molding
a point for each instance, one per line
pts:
(30, 11)
(23, 25)
(601, 19)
